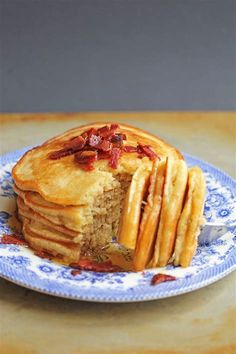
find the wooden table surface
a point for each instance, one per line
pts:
(203, 321)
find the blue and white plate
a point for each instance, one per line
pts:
(211, 263)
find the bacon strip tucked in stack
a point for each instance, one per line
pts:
(170, 222)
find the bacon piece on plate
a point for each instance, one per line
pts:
(161, 278)
(86, 264)
(13, 240)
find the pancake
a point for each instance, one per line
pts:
(150, 218)
(104, 228)
(67, 251)
(173, 195)
(190, 219)
(130, 217)
(62, 182)
(28, 213)
(44, 231)
(74, 218)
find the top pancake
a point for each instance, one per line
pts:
(63, 182)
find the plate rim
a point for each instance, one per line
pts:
(138, 298)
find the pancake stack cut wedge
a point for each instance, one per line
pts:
(171, 217)
(72, 189)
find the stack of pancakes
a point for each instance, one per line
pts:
(65, 231)
(153, 206)
(67, 211)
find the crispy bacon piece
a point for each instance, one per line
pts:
(70, 147)
(145, 150)
(86, 264)
(124, 137)
(114, 158)
(106, 131)
(105, 146)
(88, 133)
(74, 137)
(104, 155)
(13, 240)
(98, 144)
(129, 148)
(86, 159)
(76, 144)
(117, 140)
(55, 155)
(115, 126)
(161, 278)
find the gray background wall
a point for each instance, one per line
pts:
(79, 55)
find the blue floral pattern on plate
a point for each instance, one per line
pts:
(21, 266)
